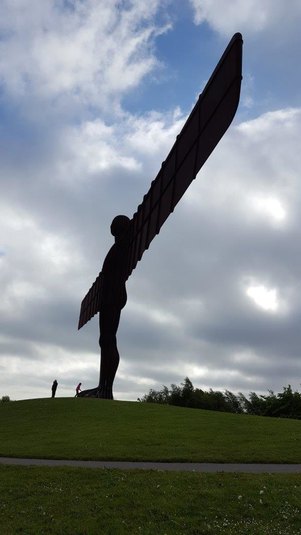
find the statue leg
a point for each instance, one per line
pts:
(108, 325)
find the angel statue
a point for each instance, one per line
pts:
(205, 126)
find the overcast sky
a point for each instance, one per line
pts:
(92, 95)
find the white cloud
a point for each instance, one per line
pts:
(249, 16)
(36, 261)
(265, 298)
(262, 161)
(131, 144)
(188, 285)
(66, 171)
(271, 207)
(89, 50)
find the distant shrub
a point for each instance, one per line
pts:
(286, 404)
(4, 399)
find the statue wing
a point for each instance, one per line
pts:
(91, 303)
(205, 126)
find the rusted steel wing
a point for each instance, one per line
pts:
(91, 303)
(205, 126)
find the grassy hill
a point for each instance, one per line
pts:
(75, 428)
(82, 501)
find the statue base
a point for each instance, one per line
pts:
(97, 392)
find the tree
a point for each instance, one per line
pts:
(286, 404)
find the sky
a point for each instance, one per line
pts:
(92, 96)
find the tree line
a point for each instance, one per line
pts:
(286, 404)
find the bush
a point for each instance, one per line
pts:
(5, 399)
(286, 404)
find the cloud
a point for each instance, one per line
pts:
(217, 245)
(249, 16)
(77, 50)
(188, 310)
(72, 157)
(271, 36)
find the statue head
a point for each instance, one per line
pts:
(120, 225)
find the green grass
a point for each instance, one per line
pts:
(75, 428)
(80, 501)
(70, 501)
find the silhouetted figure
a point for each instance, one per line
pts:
(53, 388)
(113, 298)
(78, 389)
(205, 126)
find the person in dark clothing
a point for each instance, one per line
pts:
(54, 387)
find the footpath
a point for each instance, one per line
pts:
(252, 468)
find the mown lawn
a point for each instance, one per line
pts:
(75, 428)
(78, 501)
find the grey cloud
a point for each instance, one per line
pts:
(188, 312)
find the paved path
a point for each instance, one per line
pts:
(172, 467)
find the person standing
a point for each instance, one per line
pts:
(78, 389)
(54, 387)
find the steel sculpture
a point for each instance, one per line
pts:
(205, 126)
